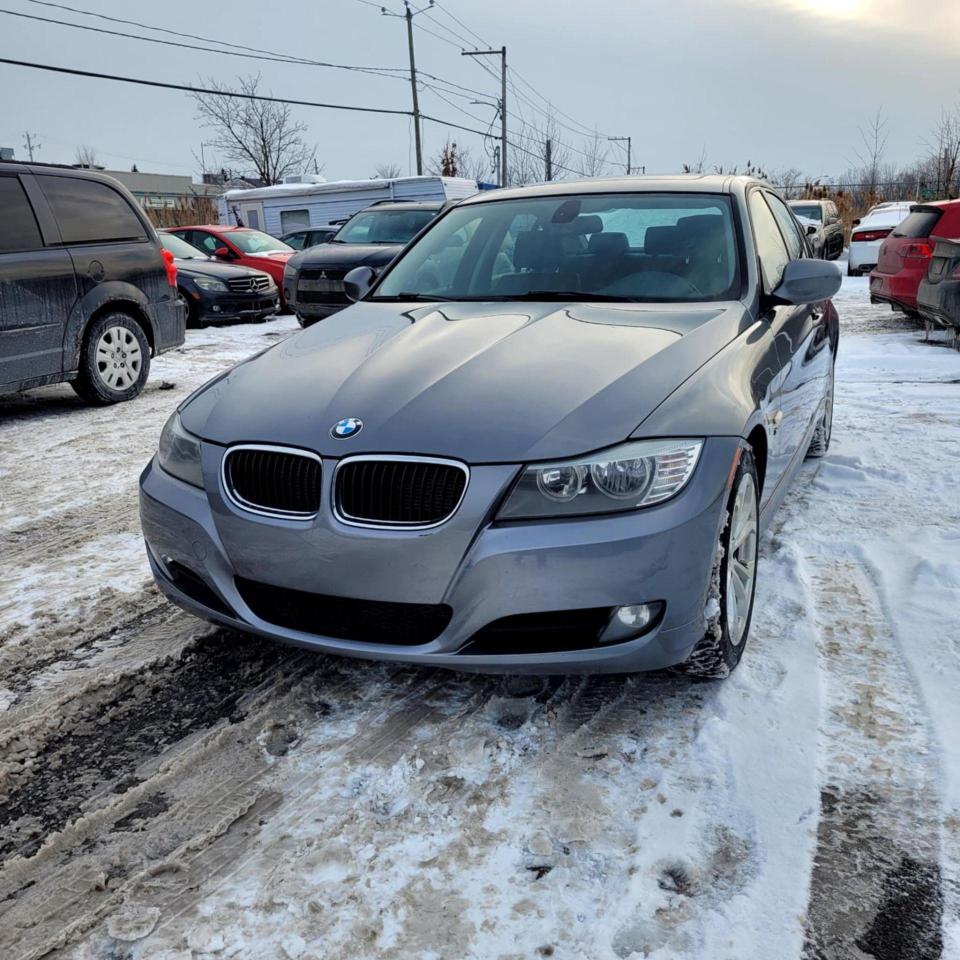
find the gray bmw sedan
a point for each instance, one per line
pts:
(546, 439)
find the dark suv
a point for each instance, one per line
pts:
(313, 278)
(86, 295)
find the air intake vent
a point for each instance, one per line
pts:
(344, 618)
(399, 491)
(273, 480)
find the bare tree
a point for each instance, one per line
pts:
(873, 145)
(593, 158)
(86, 156)
(386, 171)
(941, 167)
(260, 135)
(697, 167)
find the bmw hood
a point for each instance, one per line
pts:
(481, 382)
(347, 255)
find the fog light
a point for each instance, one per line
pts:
(631, 621)
(216, 308)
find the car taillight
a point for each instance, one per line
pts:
(866, 236)
(171, 266)
(919, 250)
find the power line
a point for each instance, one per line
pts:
(191, 89)
(255, 54)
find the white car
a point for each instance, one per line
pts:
(869, 233)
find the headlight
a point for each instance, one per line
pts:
(179, 452)
(637, 474)
(209, 283)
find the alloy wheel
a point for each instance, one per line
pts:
(742, 560)
(118, 358)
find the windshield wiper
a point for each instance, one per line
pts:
(563, 295)
(416, 297)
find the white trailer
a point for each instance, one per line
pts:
(292, 206)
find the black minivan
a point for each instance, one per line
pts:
(86, 295)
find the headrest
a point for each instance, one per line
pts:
(702, 225)
(661, 241)
(527, 249)
(608, 244)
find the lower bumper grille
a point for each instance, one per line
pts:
(407, 492)
(362, 621)
(272, 480)
(551, 632)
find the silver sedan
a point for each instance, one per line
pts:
(546, 439)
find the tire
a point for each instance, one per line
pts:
(727, 624)
(851, 272)
(114, 360)
(820, 442)
(193, 321)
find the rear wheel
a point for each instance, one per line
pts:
(820, 443)
(114, 360)
(729, 607)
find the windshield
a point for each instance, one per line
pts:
(180, 248)
(809, 210)
(622, 246)
(384, 226)
(253, 241)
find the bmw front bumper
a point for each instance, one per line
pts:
(481, 570)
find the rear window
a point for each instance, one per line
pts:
(809, 210)
(919, 223)
(90, 212)
(18, 226)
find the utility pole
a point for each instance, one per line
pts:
(30, 144)
(408, 15)
(629, 143)
(548, 156)
(502, 53)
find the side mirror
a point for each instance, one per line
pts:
(222, 253)
(856, 223)
(808, 281)
(358, 281)
(811, 229)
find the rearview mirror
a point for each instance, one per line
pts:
(808, 281)
(222, 253)
(358, 282)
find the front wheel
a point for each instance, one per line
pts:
(733, 579)
(114, 361)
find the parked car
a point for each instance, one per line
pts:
(241, 247)
(216, 292)
(546, 439)
(868, 234)
(302, 239)
(86, 293)
(827, 241)
(313, 279)
(905, 253)
(938, 297)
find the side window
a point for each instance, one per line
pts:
(18, 225)
(770, 246)
(296, 241)
(90, 212)
(293, 220)
(205, 241)
(796, 245)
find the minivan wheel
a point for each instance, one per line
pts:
(114, 360)
(733, 580)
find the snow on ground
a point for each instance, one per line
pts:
(168, 791)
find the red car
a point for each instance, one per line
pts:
(905, 254)
(242, 247)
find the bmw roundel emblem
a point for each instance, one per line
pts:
(348, 427)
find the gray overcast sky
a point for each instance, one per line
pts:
(784, 83)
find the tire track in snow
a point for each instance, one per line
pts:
(876, 886)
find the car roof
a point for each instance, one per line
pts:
(670, 183)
